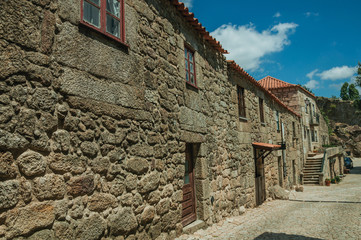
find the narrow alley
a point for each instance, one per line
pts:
(317, 213)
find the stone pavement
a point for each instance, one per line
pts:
(317, 213)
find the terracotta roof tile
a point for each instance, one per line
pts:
(274, 83)
(198, 26)
(271, 83)
(243, 73)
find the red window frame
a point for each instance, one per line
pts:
(189, 52)
(241, 102)
(103, 16)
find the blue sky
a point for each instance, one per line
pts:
(314, 43)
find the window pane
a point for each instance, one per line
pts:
(113, 26)
(185, 53)
(91, 14)
(187, 77)
(186, 65)
(191, 57)
(95, 1)
(192, 78)
(191, 66)
(113, 6)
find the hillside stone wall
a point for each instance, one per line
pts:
(93, 134)
(345, 123)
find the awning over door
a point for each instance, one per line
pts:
(266, 146)
(265, 149)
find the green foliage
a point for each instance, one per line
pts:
(333, 106)
(327, 120)
(333, 180)
(338, 179)
(353, 92)
(333, 97)
(328, 146)
(344, 95)
(358, 77)
(357, 104)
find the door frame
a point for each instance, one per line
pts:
(190, 187)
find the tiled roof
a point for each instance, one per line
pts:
(266, 146)
(243, 73)
(271, 83)
(274, 83)
(198, 26)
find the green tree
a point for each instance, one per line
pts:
(358, 77)
(344, 92)
(353, 92)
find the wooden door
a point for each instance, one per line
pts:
(260, 180)
(189, 203)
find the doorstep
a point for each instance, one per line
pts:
(193, 227)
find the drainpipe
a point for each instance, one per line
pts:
(283, 151)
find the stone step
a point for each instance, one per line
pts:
(311, 173)
(313, 178)
(310, 180)
(315, 158)
(313, 162)
(312, 170)
(312, 167)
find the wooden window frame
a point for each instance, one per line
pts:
(261, 110)
(188, 72)
(103, 15)
(241, 103)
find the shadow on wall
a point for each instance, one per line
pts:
(355, 170)
(270, 235)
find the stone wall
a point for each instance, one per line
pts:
(345, 123)
(333, 164)
(340, 111)
(93, 133)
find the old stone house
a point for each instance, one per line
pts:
(314, 128)
(123, 119)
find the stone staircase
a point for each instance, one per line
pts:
(312, 169)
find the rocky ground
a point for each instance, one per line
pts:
(317, 213)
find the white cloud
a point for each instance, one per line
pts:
(336, 85)
(310, 14)
(247, 46)
(312, 84)
(337, 73)
(311, 74)
(188, 3)
(277, 15)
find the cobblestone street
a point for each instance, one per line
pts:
(317, 213)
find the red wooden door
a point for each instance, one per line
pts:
(188, 203)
